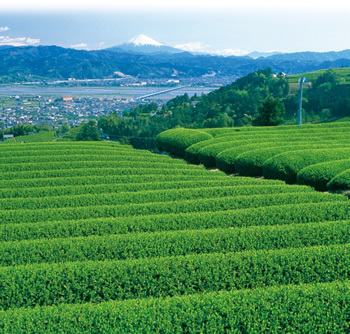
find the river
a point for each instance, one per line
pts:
(104, 91)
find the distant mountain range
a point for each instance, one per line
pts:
(257, 54)
(144, 57)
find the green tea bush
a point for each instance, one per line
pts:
(282, 214)
(250, 163)
(340, 181)
(286, 166)
(117, 186)
(305, 308)
(175, 243)
(182, 206)
(98, 281)
(177, 140)
(318, 175)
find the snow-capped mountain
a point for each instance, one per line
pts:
(144, 44)
(142, 40)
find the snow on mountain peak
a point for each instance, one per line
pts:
(141, 40)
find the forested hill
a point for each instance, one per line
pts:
(237, 104)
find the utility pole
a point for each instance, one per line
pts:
(300, 116)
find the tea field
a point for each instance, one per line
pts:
(315, 155)
(45, 136)
(101, 238)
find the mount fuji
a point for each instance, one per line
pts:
(144, 45)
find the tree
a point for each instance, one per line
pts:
(329, 77)
(89, 131)
(270, 112)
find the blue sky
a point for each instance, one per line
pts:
(219, 26)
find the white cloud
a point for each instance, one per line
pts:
(206, 48)
(2, 29)
(230, 52)
(81, 46)
(18, 41)
(101, 45)
(194, 47)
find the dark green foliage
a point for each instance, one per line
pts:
(327, 95)
(89, 132)
(270, 112)
(235, 104)
(24, 129)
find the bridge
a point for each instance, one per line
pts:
(160, 92)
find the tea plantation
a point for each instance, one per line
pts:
(314, 155)
(45, 136)
(101, 238)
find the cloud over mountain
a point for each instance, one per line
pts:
(81, 46)
(19, 41)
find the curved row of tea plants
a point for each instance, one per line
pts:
(112, 240)
(278, 153)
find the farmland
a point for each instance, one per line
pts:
(45, 136)
(311, 154)
(100, 237)
(342, 73)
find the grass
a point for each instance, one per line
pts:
(343, 74)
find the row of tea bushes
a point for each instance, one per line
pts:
(99, 281)
(96, 244)
(277, 152)
(283, 214)
(280, 309)
(175, 243)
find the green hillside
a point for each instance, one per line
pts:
(342, 73)
(101, 238)
(45, 136)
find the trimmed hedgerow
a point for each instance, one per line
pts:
(146, 196)
(286, 166)
(305, 308)
(284, 214)
(250, 163)
(98, 281)
(340, 181)
(318, 175)
(177, 140)
(147, 245)
(101, 171)
(182, 206)
(96, 187)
